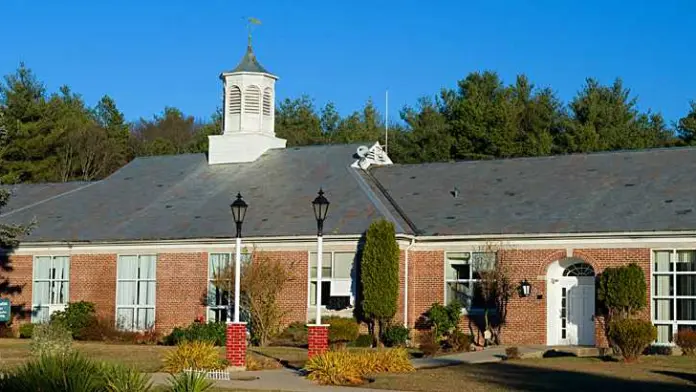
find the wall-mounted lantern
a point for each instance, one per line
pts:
(525, 288)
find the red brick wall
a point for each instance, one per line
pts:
(526, 317)
(182, 282)
(93, 279)
(15, 280)
(426, 282)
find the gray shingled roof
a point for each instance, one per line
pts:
(249, 63)
(175, 197)
(637, 191)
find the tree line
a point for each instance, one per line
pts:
(58, 137)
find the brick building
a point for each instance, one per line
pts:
(144, 243)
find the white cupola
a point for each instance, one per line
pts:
(248, 115)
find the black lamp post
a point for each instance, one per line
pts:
(525, 288)
(321, 207)
(238, 207)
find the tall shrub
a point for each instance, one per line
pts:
(77, 317)
(379, 275)
(262, 281)
(621, 293)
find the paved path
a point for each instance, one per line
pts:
(493, 354)
(274, 380)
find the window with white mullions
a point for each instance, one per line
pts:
(463, 277)
(135, 292)
(336, 280)
(673, 292)
(221, 285)
(51, 281)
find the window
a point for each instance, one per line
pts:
(337, 289)
(673, 292)
(135, 292)
(252, 100)
(50, 286)
(218, 299)
(462, 275)
(267, 102)
(235, 100)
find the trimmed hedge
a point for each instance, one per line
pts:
(632, 336)
(212, 332)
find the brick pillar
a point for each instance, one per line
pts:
(318, 339)
(236, 345)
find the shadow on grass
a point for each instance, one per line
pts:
(684, 376)
(512, 376)
(515, 377)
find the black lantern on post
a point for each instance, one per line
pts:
(239, 208)
(321, 208)
(525, 288)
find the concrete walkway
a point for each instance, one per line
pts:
(270, 380)
(490, 355)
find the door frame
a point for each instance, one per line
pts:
(555, 281)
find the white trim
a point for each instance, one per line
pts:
(136, 307)
(674, 297)
(52, 257)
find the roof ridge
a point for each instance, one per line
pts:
(542, 157)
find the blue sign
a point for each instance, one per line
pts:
(4, 310)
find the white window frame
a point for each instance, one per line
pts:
(470, 280)
(52, 305)
(246, 257)
(325, 279)
(137, 307)
(674, 323)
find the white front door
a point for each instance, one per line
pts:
(571, 303)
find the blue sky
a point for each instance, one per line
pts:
(156, 53)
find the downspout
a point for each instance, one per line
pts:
(413, 241)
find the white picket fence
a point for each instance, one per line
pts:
(212, 375)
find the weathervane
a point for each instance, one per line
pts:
(250, 23)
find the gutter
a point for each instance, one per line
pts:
(413, 242)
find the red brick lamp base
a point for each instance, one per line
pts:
(236, 346)
(317, 339)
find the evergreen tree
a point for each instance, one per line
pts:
(379, 276)
(296, 121)
(686, 127)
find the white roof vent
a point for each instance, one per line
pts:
(368, 156)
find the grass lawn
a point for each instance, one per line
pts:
(146, 358)
(552, 374)
(289, 356)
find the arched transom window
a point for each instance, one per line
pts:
(579, 269)
(252, 100)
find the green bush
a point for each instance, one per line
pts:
(210, 332)
(460, 341)
(189, 382)
(53, 339)
(60, 373)
(119, 378)
(294, 334)
(395, 335)
(632, 336)
(26, 330)
(444, 319)
(77, 316)
(686, 340)
(73, 373)
(622, 291)
(342, 329)
(363, 340)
